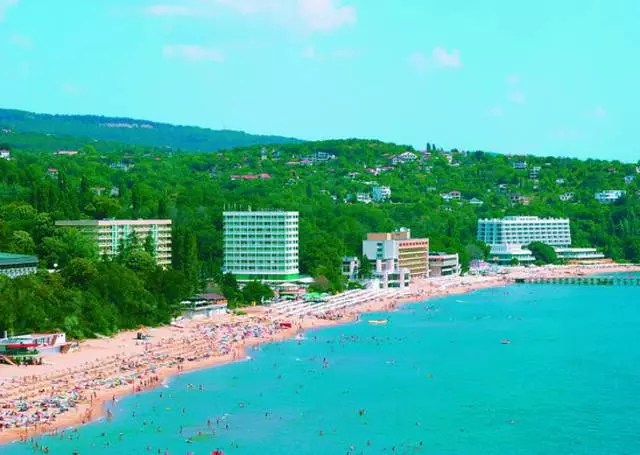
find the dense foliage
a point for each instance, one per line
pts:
(131, 131)
(544, 254)
(121, 181)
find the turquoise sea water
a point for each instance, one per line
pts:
(437, 373)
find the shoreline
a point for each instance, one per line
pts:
(98, 361)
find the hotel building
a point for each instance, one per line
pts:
(261, 245)
(396, 252)
(522, 230)
(509, 237)
(15, 265)
(443, 264)
(112, 235)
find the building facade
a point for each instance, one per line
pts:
(397, 251)
(509, 236)
(522, 230)
(15, 265)
(609, 196)
(351, 267)
(381, 193)
(511, 254)
(113, 235)
(443, 264)
(261, 245)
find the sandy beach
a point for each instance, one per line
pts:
(72, 389)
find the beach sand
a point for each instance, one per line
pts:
(107, 368)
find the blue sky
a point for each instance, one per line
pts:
(550, 77)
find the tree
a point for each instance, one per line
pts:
(65, 245)
(366, 269)
(22, 243)
(231, 290)
(150, 245)
(544, 254)
(139, 261)
(255, 292)
(79, 272)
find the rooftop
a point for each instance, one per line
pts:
(18, 259)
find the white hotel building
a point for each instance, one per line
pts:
(112, 235)
(509, 236)
(261, 246)
(522, 230)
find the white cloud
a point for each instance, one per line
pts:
(326, 15)
(21, 40)
(170, 10)
(517, 97)
(495, 111)
(4, 5)
(513, 79)
(310, 15)
(251, 6)
(193, 53)
(309, 52)
(445, 59)
(439, 58)
(598, 113)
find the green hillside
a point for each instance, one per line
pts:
(131, 131)
(318, 179)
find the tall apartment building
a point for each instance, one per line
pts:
(261, 245)
(397, 251)
(522, 230)
(112, 235)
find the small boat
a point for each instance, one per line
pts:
(505, 342)
(378, 321)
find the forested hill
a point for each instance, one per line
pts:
(131, 131)
(437, 194)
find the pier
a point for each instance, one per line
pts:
(584, 281)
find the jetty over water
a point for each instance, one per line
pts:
(583, 280)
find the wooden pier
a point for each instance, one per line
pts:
(583, 281)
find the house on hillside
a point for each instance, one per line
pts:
(566, 197)
(519, 199)
(381, 193)
(52, 172)
(66, 152)
(629, 179)
(520, 165)
(451, 196)
(560, 181)
(251, 177)
(476, 202)
(363, 197)
(5, 154)
(405, 157)
(534, 173)
(121, 166)
(609, 196)
(324, 156)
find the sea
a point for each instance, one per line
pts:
(524, 369)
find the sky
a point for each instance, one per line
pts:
(550, 77)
